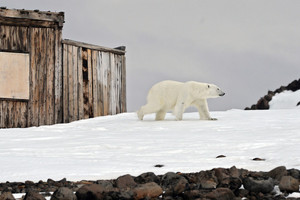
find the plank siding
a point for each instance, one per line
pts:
(68, 80)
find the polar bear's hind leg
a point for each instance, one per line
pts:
(160, 115)
(146, 109)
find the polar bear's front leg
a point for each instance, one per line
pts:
(178, 110)
(202, 107)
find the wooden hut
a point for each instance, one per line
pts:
(47, 80)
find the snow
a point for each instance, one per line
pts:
(285, 100)
(111, 146)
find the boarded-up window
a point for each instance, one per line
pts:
(14, 75)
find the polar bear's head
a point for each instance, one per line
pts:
(213, 91)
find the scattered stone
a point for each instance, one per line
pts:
(221, 156)
(294, 173)
(146, 178)
(63, 193)
(207, 179)
(6, 196)
(258, 159)
(90, 192)
(32, 195)
(147, 190)
(221, 194)
(159, 166)
(125, 182)
(289, 184)
(173, 184)
(277, 173)
(263, 186)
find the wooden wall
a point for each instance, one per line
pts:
(94, 81)
(45, 103)
(68, 80)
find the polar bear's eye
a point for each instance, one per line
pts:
(208, 86)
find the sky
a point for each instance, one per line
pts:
(246, 47)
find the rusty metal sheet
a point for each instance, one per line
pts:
(14, 75)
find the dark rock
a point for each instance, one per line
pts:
(221, 194)
(277, 173)
(159, 166)
(268, 97)
(294, 86)
(258, 159)
(32, 195)
(90, 192)
(6, 196)
(125, 182)
(146, 178)
(262, 104)
(289, 184)
(207, 179)
(107, 186)
(192, 194)
(294, 173)
(63, 193)
(298, 104)
(226, 180)
(221, 156)
(147, 190)
(257, 185)
(173, 184)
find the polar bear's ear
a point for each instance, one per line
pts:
(208, 86)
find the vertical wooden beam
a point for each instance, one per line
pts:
(112, 95)
(75, 81)
(71, 81)
(124, 100)
(65, 84)
(90, 84)
(80, 84)
(58, 82)
(94, 82)
(99, 84)
(33, 104)
(50, 70)
(105, 81)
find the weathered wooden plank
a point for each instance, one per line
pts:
(85, 76)
(94, 83)
(105, 86)
(58, 85)
(33, 104)
(32, 16)
(90, 84)
(71, 86)
(23, 114)
(80, 85)
(65, 84)
(50, 48)
(1, 116)
(75, 81)
(99, 84)
(123, 91)
(42, 70)
(112, 95)
(5, 114)
(119, 83)
(10, 114)
(93, 47)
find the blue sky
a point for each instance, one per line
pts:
(246, 47)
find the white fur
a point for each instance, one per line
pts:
(177, 96)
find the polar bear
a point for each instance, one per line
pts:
(177, 96)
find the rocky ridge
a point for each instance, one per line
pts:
(263, 102)
(218, 184)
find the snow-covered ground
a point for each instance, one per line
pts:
(107, 147)
(285, 100)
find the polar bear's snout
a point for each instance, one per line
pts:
(222, 94)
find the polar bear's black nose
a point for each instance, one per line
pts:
(222, 94)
